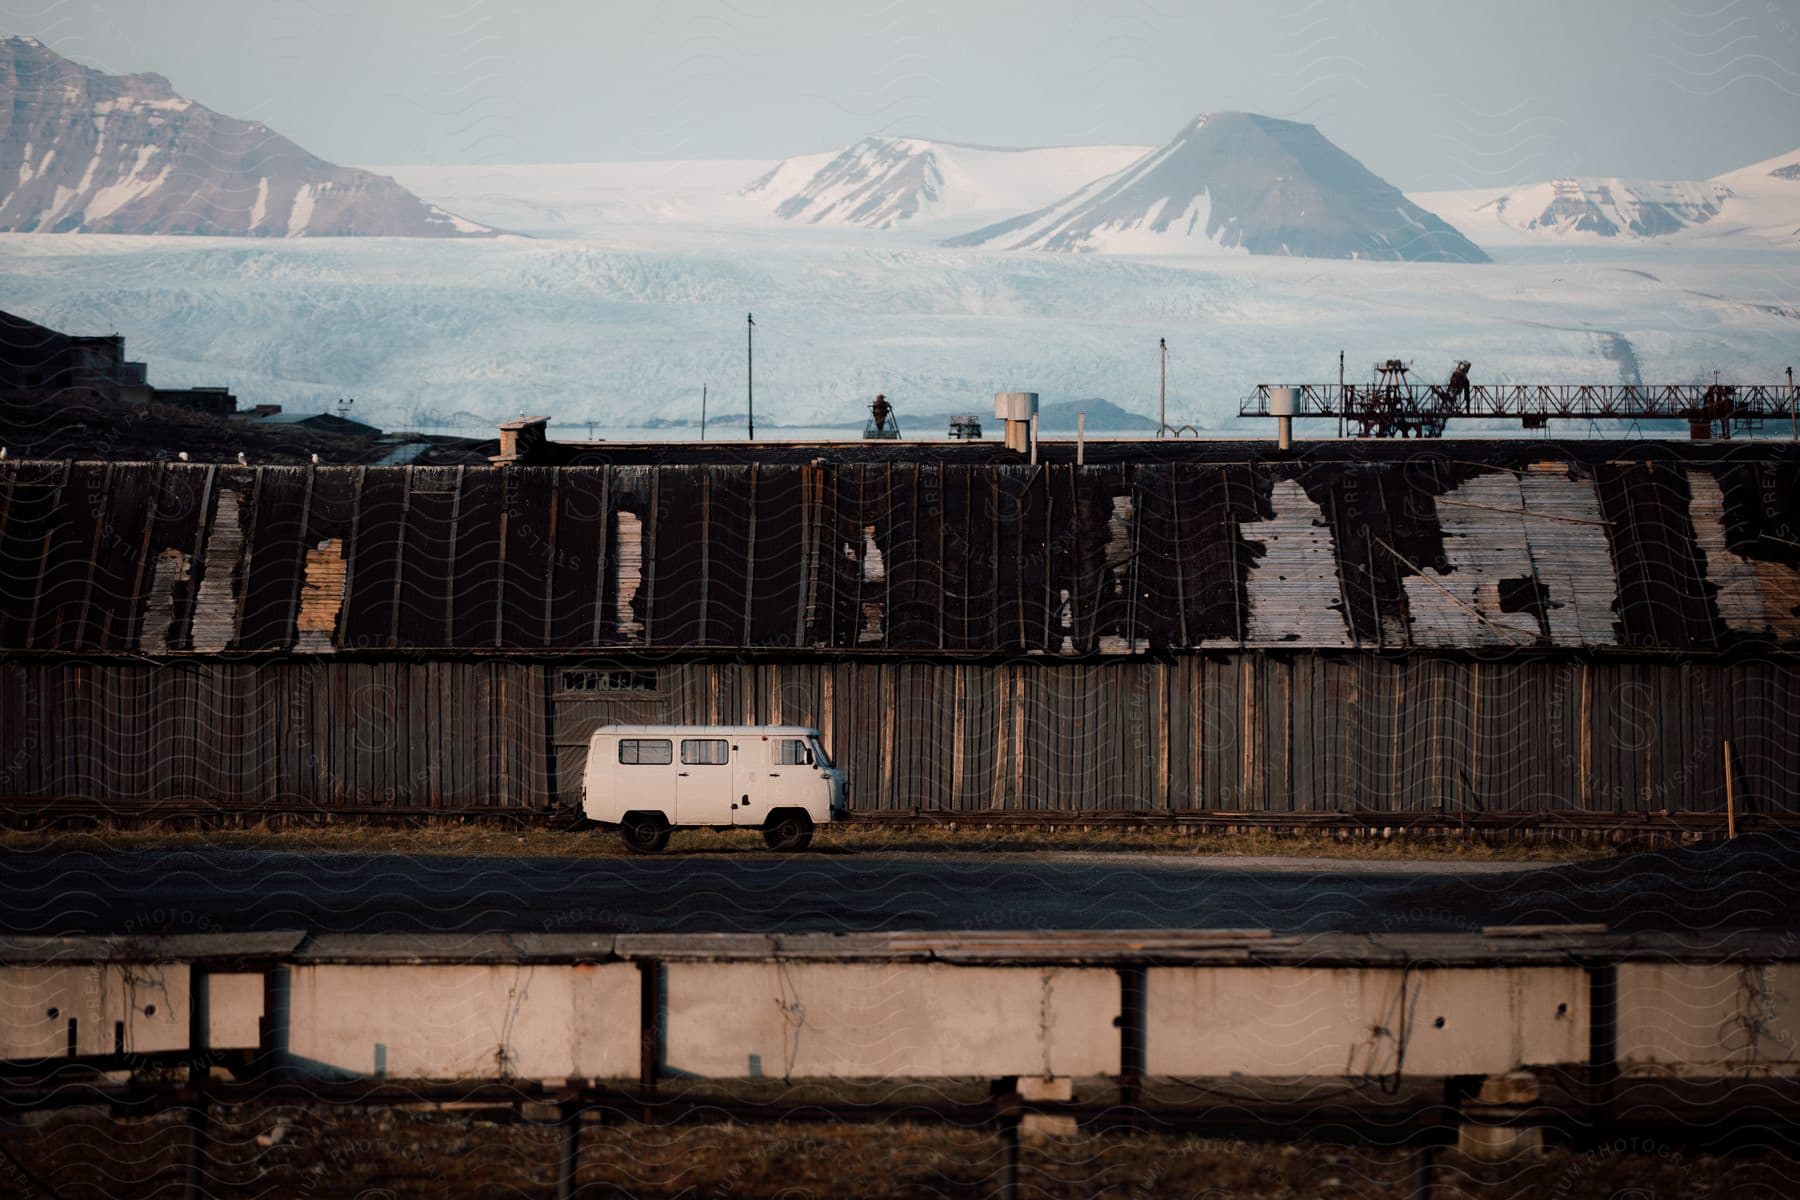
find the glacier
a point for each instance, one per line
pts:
(640, 302)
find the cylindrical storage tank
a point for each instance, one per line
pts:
(1015, 406)
(1016, 409)
(1284, 402)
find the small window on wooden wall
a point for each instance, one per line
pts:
(606, 681)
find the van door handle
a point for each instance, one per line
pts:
(681, 774)
(774, 774)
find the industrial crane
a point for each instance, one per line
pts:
(1396, 406)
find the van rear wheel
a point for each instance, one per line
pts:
(644, 833)
(788, 830)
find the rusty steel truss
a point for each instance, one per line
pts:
(1388, 408)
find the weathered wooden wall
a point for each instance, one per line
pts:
(1537, 546)
(1236, 732)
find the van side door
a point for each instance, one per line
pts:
(644, 776)
(750, 769)
(789, 773)
(704, 781)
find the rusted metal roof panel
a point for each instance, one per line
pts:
(530, 550)
(422, 599)
(679, 545)
(1663, 600)
(1539, 551)
(70, 551)
(779, 558)
(474, 600)
(377, 547)
(28, 517)
(577, 575)
(275, 570)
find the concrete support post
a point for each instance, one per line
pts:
(199, 1035)
(1131, 1035)
(1493, 1126)
(650, 1008)
(1603, 1041)
(1424, 1164)
(568, 1159)
(194, 1173)
(272, 1027)
(1006, 1180)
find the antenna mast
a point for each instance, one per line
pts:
(1162, 385)
(749, 370)
(703, 412)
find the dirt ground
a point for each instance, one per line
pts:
(388, 1155)
(484, 841)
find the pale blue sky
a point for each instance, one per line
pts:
(1429, 94)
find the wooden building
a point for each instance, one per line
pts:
(1460, 628)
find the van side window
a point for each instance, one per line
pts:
(704, 751)
(790, 752)
(646, 751)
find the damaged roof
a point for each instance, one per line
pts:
(1473, 546)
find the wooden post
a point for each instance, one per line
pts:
(1730, 796)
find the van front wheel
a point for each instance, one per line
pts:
(788, 829)
(645, 833)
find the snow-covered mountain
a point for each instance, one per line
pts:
(86, 152)
(1754, 205)
(1238, 182)
(881, 182)
(1610, 207)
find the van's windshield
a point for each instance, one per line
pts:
(823, 759)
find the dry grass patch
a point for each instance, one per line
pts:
(855, 837)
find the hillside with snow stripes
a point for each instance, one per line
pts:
(888, 182)
(1757, 205)
(86, 152)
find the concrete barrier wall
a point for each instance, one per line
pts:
(477, 1021)
(131, 1008)
(233, 1006)
(731, 1007)
(1362, 1021)
(892, 1020)
(1709, 1018)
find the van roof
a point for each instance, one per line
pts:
(699, 730)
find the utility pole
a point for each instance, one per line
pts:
(1340, 403)
(750, 369)
(1793, 410)
(1162, 385)
(703, 412)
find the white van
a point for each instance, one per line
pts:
(649, 779)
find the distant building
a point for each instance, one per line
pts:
(36, 359)
(215, 400)
(37, 362)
